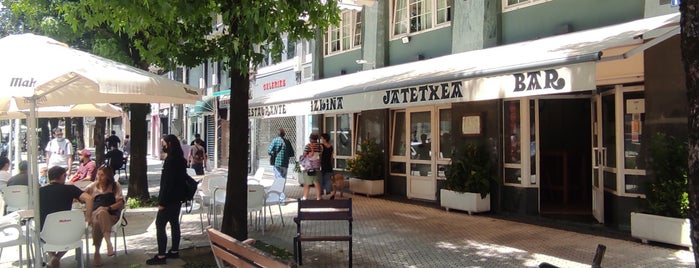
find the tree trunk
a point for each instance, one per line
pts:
(79, 132)
(690, 56)
(98, 137)
(138, 166)
(44, 136)
(235, 211)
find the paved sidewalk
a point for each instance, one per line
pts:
(395, 234)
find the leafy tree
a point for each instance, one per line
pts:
(689, 42)
(250, 23)
(138, 33)
(169, 32)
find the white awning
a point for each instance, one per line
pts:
(564, 63)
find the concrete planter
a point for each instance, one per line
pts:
(469, 202)
(367, 187)
(649, 227)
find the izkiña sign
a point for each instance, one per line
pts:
(571, 78)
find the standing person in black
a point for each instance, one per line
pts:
(112, 141)
(326, 162)
(172, 187)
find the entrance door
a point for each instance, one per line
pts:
(421, 173)
(597, 160)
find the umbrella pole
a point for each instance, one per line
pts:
(32, 159)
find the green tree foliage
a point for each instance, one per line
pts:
(166, 33)
(139, 33)
(667, 194)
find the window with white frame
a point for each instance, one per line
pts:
(410, 16)
(347, 35)
(508, 5)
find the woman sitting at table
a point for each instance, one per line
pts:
(108, 202)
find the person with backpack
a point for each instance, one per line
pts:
(172, 193)
(197, 157)
(279, 151)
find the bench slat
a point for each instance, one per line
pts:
(228, 257)
(320, 216)
(238, 254)
(325, 238)
(326, 204)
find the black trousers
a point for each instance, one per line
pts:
(171, 214)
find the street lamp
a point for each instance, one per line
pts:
(371, 64)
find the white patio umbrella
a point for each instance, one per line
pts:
(39, 71)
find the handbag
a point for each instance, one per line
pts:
(310, 160)
(103, 200)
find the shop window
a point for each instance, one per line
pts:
(398, 134)
(634, 118)
(446, 145)
(512, 132)
(339, 127)
(512, 142)
(347, 35)
(411, 16)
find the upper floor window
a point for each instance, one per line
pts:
(508, 5)
(346, 36)
(410, 16)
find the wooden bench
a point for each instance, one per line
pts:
(322, 210)
(228, 250)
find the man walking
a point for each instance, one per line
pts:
(59, 152)
(280, 150)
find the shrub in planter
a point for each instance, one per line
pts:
(667, 195)
(471, 170)
(367, 164)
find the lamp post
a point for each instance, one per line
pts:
(364, 62)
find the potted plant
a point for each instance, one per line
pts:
(664, 218)
(468, 180)
(366, 169)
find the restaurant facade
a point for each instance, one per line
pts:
(567, 117)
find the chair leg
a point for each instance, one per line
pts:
(281, 216)
(270, 214)
(123, 237)
(116, 245)
(200, 218)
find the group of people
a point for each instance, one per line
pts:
(316, 160)
(102, 197)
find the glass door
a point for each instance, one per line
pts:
(421, 163)
(597, 161)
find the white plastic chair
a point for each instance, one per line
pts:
(257, 178)
(16, 197)
(256, 203)
(191, 172)
(274, 195)
(217, 199)
(12, 234)
(63, 231)
(115, 229)
(211, 183)
(196, 207)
